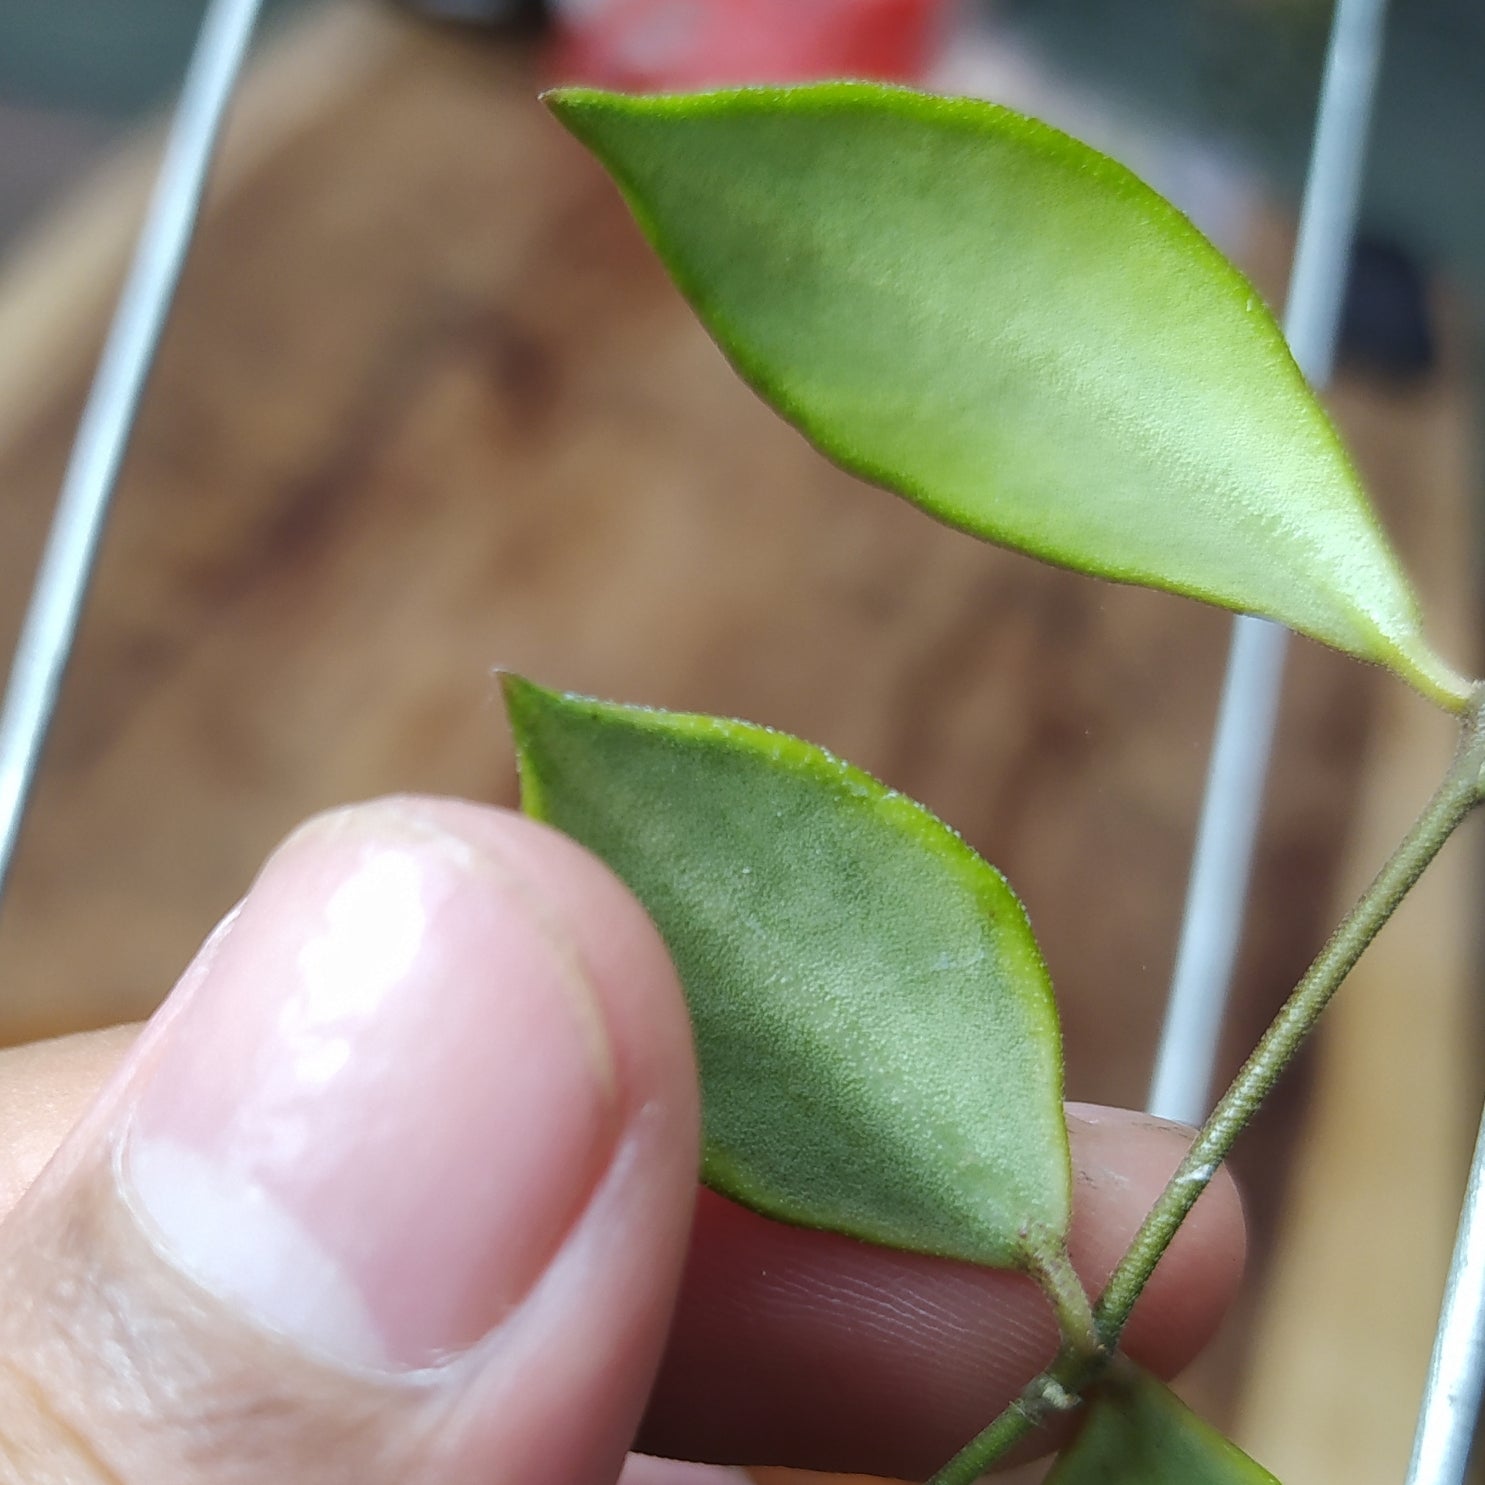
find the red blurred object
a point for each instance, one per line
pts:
(682, 44)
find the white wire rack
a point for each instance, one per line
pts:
(50, 625)
(1222, 862)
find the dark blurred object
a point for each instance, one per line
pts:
(101, 59)
(507, 14)
(1385, 325)
(1247, 72)
(708, 43)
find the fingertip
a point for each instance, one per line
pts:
(646, 1469)
(1123, 1160)
(618, 945)
(45, 1087)
(808, 1349)
(413, 1142)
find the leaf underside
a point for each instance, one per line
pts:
(877, 1039)
(1138, 1432)
(1011, 330)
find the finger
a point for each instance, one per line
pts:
(44, 1088)
(804, 1348)
(645, 1469)
(395, 1188)
(799, 1347)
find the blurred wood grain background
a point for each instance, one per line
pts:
(428, 406)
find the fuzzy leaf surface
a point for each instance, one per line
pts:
(878, 1044)
(1138, 1432)
(1014, 332)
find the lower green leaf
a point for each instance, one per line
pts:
(1138, 1432)
(878, 1043)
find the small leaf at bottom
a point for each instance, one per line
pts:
(878, 1044)
(1138, 1432)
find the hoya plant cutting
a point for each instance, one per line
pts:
(1015, 334)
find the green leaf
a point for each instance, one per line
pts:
(878, 1043)
(1138, 1432)
(1011, 330)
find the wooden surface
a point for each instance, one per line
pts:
(428, 407)
(1342, 1341)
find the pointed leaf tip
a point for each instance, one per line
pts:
(1014, 332)
(1138, 1432)
(878, 1044)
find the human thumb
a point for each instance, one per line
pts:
(395, 1188)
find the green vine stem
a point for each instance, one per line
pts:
(1053, 1270)
(1074, 1368)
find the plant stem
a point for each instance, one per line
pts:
(1453, 800)
(1440, 683)
(1460, 791)
(1053, 1270)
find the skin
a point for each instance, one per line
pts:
(425, 1322)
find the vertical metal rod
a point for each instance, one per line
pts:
(103, 434)
(1217, 892)
(1456, 1372)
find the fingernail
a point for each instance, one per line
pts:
(386, 1101)
(644, 1469)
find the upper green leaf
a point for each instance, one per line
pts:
(1011, 330)
(1138, 1432)
(878, 1044)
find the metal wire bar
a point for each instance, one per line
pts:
(1456, 1372)
(1221, 870)
(103, 434)
(1217, 892)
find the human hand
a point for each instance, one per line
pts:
(399, 1187)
